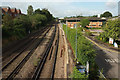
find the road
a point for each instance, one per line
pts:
(108, 60)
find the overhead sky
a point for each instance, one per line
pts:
(62, 8)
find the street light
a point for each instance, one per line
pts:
(76, 37)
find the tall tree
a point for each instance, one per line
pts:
(84, 22)
(47, 13)
(106, 14)
(37, 11)
(112, 29)
(30, 10)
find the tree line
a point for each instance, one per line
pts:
(21, 26)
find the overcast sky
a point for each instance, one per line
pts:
(62, 8)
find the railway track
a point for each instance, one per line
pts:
(24, 46)
(41, 63)
(55, 59)
(23, 43)
(23, 61)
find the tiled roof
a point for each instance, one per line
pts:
(75, 18)
(5, 9)
(13, 9)
(89, 18)
(18, 11)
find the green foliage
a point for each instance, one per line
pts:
(38, 20)
(23, 22)
(111, 30)
(94, 15)
(88, 33)
(37, 11)
(84, 22)
(21, 26)
(63, 21)
(7, 21)
(78, 75)
(85, 51)
(94, 73)
(30, 10)
(47, 13)
(106, 14)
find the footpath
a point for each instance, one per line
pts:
(111, 51)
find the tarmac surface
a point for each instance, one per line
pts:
(107, 59)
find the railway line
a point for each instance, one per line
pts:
(48, 61)
(6, 70)
(20, 50)
(22, 43)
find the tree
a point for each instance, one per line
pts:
(47, 13)
(24, 22)
(30, 10)
(94, 15)
(84, 22)
(7, 21)
(112, 29)
(38, 11)
(106, 14)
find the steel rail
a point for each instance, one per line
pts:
(17, 69)
(31, 40)
(55, 59)
(43, 60)
(23, 40)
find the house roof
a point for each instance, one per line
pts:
(89, 18)
(18, 11)
(75, 18)
(13, 9)
(5, 9)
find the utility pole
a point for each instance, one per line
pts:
(76, 37)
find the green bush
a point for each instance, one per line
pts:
(85, 50)
(78, 75)
(88, 33)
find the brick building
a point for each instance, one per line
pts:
(10, 11)
(94, 22)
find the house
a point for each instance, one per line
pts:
(10, 11)
(94, 22)
(71, 22)
(6, 10)
(19, 11)
(14, 12)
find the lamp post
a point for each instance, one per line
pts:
(76, 37)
